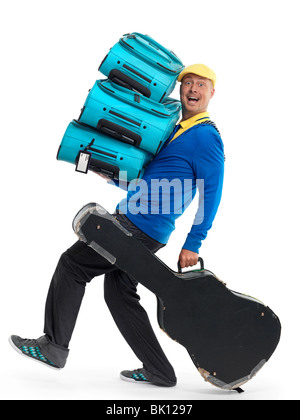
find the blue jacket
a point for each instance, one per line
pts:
(195, 159)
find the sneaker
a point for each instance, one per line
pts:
(137, 375)
(30, 348)
(142, 376)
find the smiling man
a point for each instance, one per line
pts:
(193, 157)
(196, 91)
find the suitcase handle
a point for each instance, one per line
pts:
(107, 169)
(199, 259)
(154, 46)
(119, 132)
(123, 80)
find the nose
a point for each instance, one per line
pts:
(193, 87)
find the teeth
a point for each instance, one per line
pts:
(193, 98)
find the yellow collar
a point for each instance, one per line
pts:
(189, 122)
(186, 124)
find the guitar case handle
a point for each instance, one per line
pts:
(199, 259)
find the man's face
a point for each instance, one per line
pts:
(195, 94)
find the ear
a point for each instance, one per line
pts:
(212, 93)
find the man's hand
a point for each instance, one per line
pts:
(187, 258)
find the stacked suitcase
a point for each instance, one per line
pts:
(128, 116)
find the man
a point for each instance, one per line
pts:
(194, 152)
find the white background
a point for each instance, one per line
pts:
(50, 53)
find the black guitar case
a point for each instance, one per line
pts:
(228, 335)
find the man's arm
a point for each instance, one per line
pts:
(208, 167)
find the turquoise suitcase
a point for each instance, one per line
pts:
(129, 117)
(89, 149)
(140, 63)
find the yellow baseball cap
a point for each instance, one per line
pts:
(200, 70)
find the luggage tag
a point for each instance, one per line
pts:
(83, 162)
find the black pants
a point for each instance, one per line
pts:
(78, 266)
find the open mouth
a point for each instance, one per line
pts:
(193, 99)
